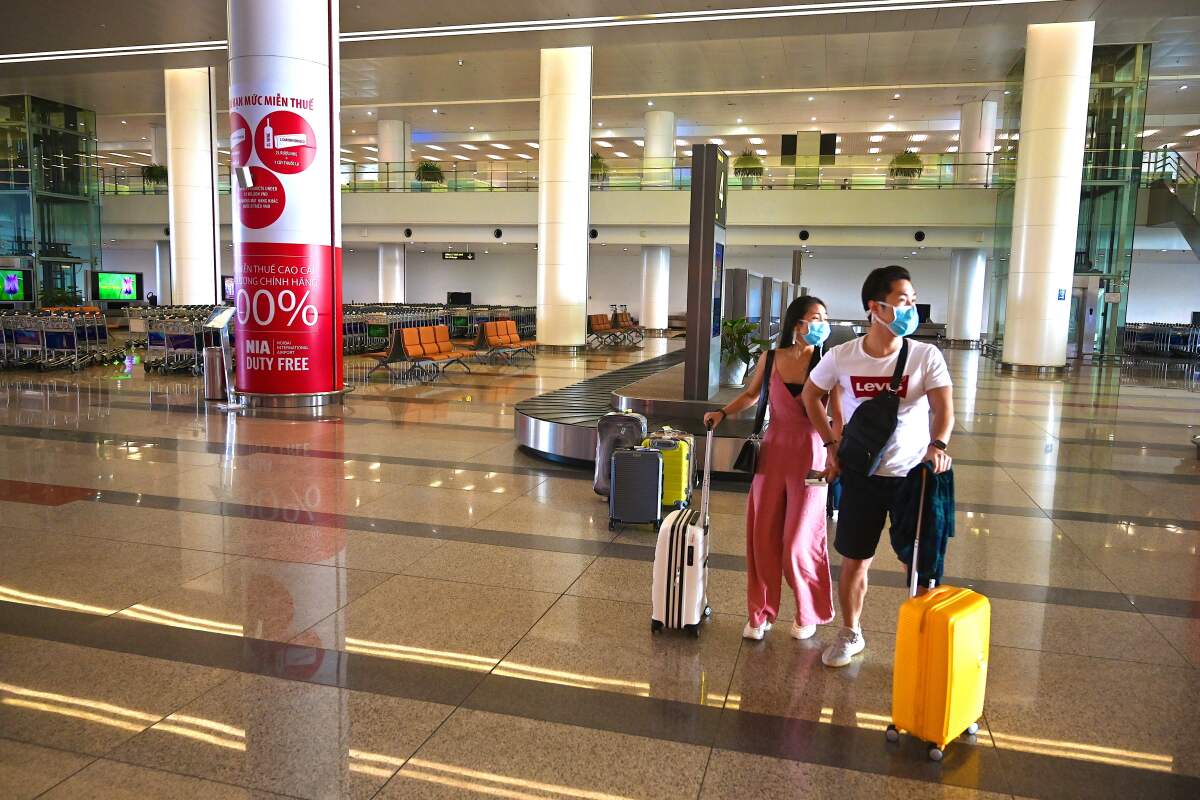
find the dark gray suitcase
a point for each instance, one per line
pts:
(635, 494)
(614, 430)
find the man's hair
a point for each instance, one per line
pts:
(878, 284)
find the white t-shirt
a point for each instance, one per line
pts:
(862, 377)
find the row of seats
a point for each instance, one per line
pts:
(619, 329)
(501, 339)
(425, 349)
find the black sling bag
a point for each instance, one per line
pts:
(872, 425)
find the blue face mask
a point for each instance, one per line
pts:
(905, 321)
(818, 332)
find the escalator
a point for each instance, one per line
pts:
(1174, 198)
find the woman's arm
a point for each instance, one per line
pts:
(747, 398)
(813, 398)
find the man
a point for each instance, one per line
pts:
(862, 368)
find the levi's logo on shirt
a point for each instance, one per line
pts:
(873, 387)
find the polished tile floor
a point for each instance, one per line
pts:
(390, 600)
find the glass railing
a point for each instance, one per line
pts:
(865, 171)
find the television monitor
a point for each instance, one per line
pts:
(16, 285)
(922, 312)
(124, 287)
(227, 288)
(458, 298)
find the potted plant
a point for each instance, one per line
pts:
(51, 297)
(154, 175)
(905, 168)
(599, 170)
(430, 172)
(749, 167)
(739, 348)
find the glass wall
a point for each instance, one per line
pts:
(49, 189)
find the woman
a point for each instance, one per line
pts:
(785, 518)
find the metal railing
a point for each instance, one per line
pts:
(1180, 177)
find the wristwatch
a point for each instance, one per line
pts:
(939, 444)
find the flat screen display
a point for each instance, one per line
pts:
(227, 288)
(117, 286)
(16, 285)
(718, 282)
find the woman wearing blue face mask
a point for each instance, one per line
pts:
(785, 517)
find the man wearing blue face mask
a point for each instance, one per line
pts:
(864, 369)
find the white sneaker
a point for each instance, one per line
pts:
(757, 634)
(847, 645)
(803, 631)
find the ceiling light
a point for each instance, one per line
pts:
(872, 149)
(1193, 132)
(460, 157)
(372, 148)
(684, 143)
(534, 145)
(599, 124)
(349, 161)
(896, 96)
(501, 146)
(811, 98)
(891, 116)
(640, 142)
(914, 149)
(1148, 132)
(373, 158)
(1006, 91)
(876, 137)
(602, 143)
(494, 157)
(952, 148)
(619, 154)
(344, 150)
(996, 149)
(145, 138)
(756, 140)
(650, 102)
(437, 147)
(739, 120)
(954, 138)
(353, 131)
(525, 156)
(468, 147)
(435, 111)
(813, 119)
(369, 113)
(1183, 88)
(430, 158)
(471, 127)
(460, 62)
(716, 141)
(761, 152)
(918, 137)
(837, 139)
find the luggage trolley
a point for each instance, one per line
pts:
(60, 340)
(24, 344)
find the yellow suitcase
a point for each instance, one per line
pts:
(940, 672)
(676, 447)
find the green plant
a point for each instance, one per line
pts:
(906, 165)
(49, 296)
(430, 172)
(599, 168)
(154, 174)
(748, 165)
(738, 341)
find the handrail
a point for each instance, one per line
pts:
(1171, 169)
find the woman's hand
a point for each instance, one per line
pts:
(713, 418)
(832, 468)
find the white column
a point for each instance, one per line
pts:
(976, 140)
(394, 139)
(1058, 60)
(656, 286)
(658, 151)
(391, 273)
(162, 273)
(158, 143)
(964, 322)
(564, 133)
(192, 185)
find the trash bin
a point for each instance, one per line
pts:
(214, 373)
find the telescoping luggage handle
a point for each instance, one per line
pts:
(912, 576)
(707, 478)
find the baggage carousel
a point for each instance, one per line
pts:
(560, 425)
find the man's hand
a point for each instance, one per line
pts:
(938, 458)
(832, 467)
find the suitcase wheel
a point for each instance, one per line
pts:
(655, 626)
(893, 734)
(694, 630)
(935, 753)
(612, 524)
(973, 729)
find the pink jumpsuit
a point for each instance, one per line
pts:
(785, 519)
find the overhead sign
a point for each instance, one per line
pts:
(457, 255)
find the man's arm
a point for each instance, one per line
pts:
(941, 404)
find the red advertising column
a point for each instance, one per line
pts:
(284, 132)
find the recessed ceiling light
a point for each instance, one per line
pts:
(495, 157)
(918, 137)
(876, 137)
(1006, 91)
(460, 62)
(430, 158)
(619, 154)
(1183, 88)
(812, 119)
(372, 148)
(501, 146)
(650, 102)
(684, 142)
(891, 116)
(145, 138)
(468, 147)
(811, 98)
(525, 156)
(124, 122)
(756, 140)
(599, 124)
(471, 127)
(602, 143)
(437, 147)
(369, 113)
(349, 161)
(534, 145)
(954, 138)
(872, 149)
(761, 152)
(373, 158)
(461, 157)
(353, 131)
(716, 141)
(896, 96)
(435, 111)
(1193, 132)
(739, 120)
(952, 148)
(996, 149)
(914, 149)
(1148, 132)
(640, 142)
(344, 150)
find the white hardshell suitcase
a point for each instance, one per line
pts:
(679, 597)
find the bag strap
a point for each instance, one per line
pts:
(901, 363)
(764, 394)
